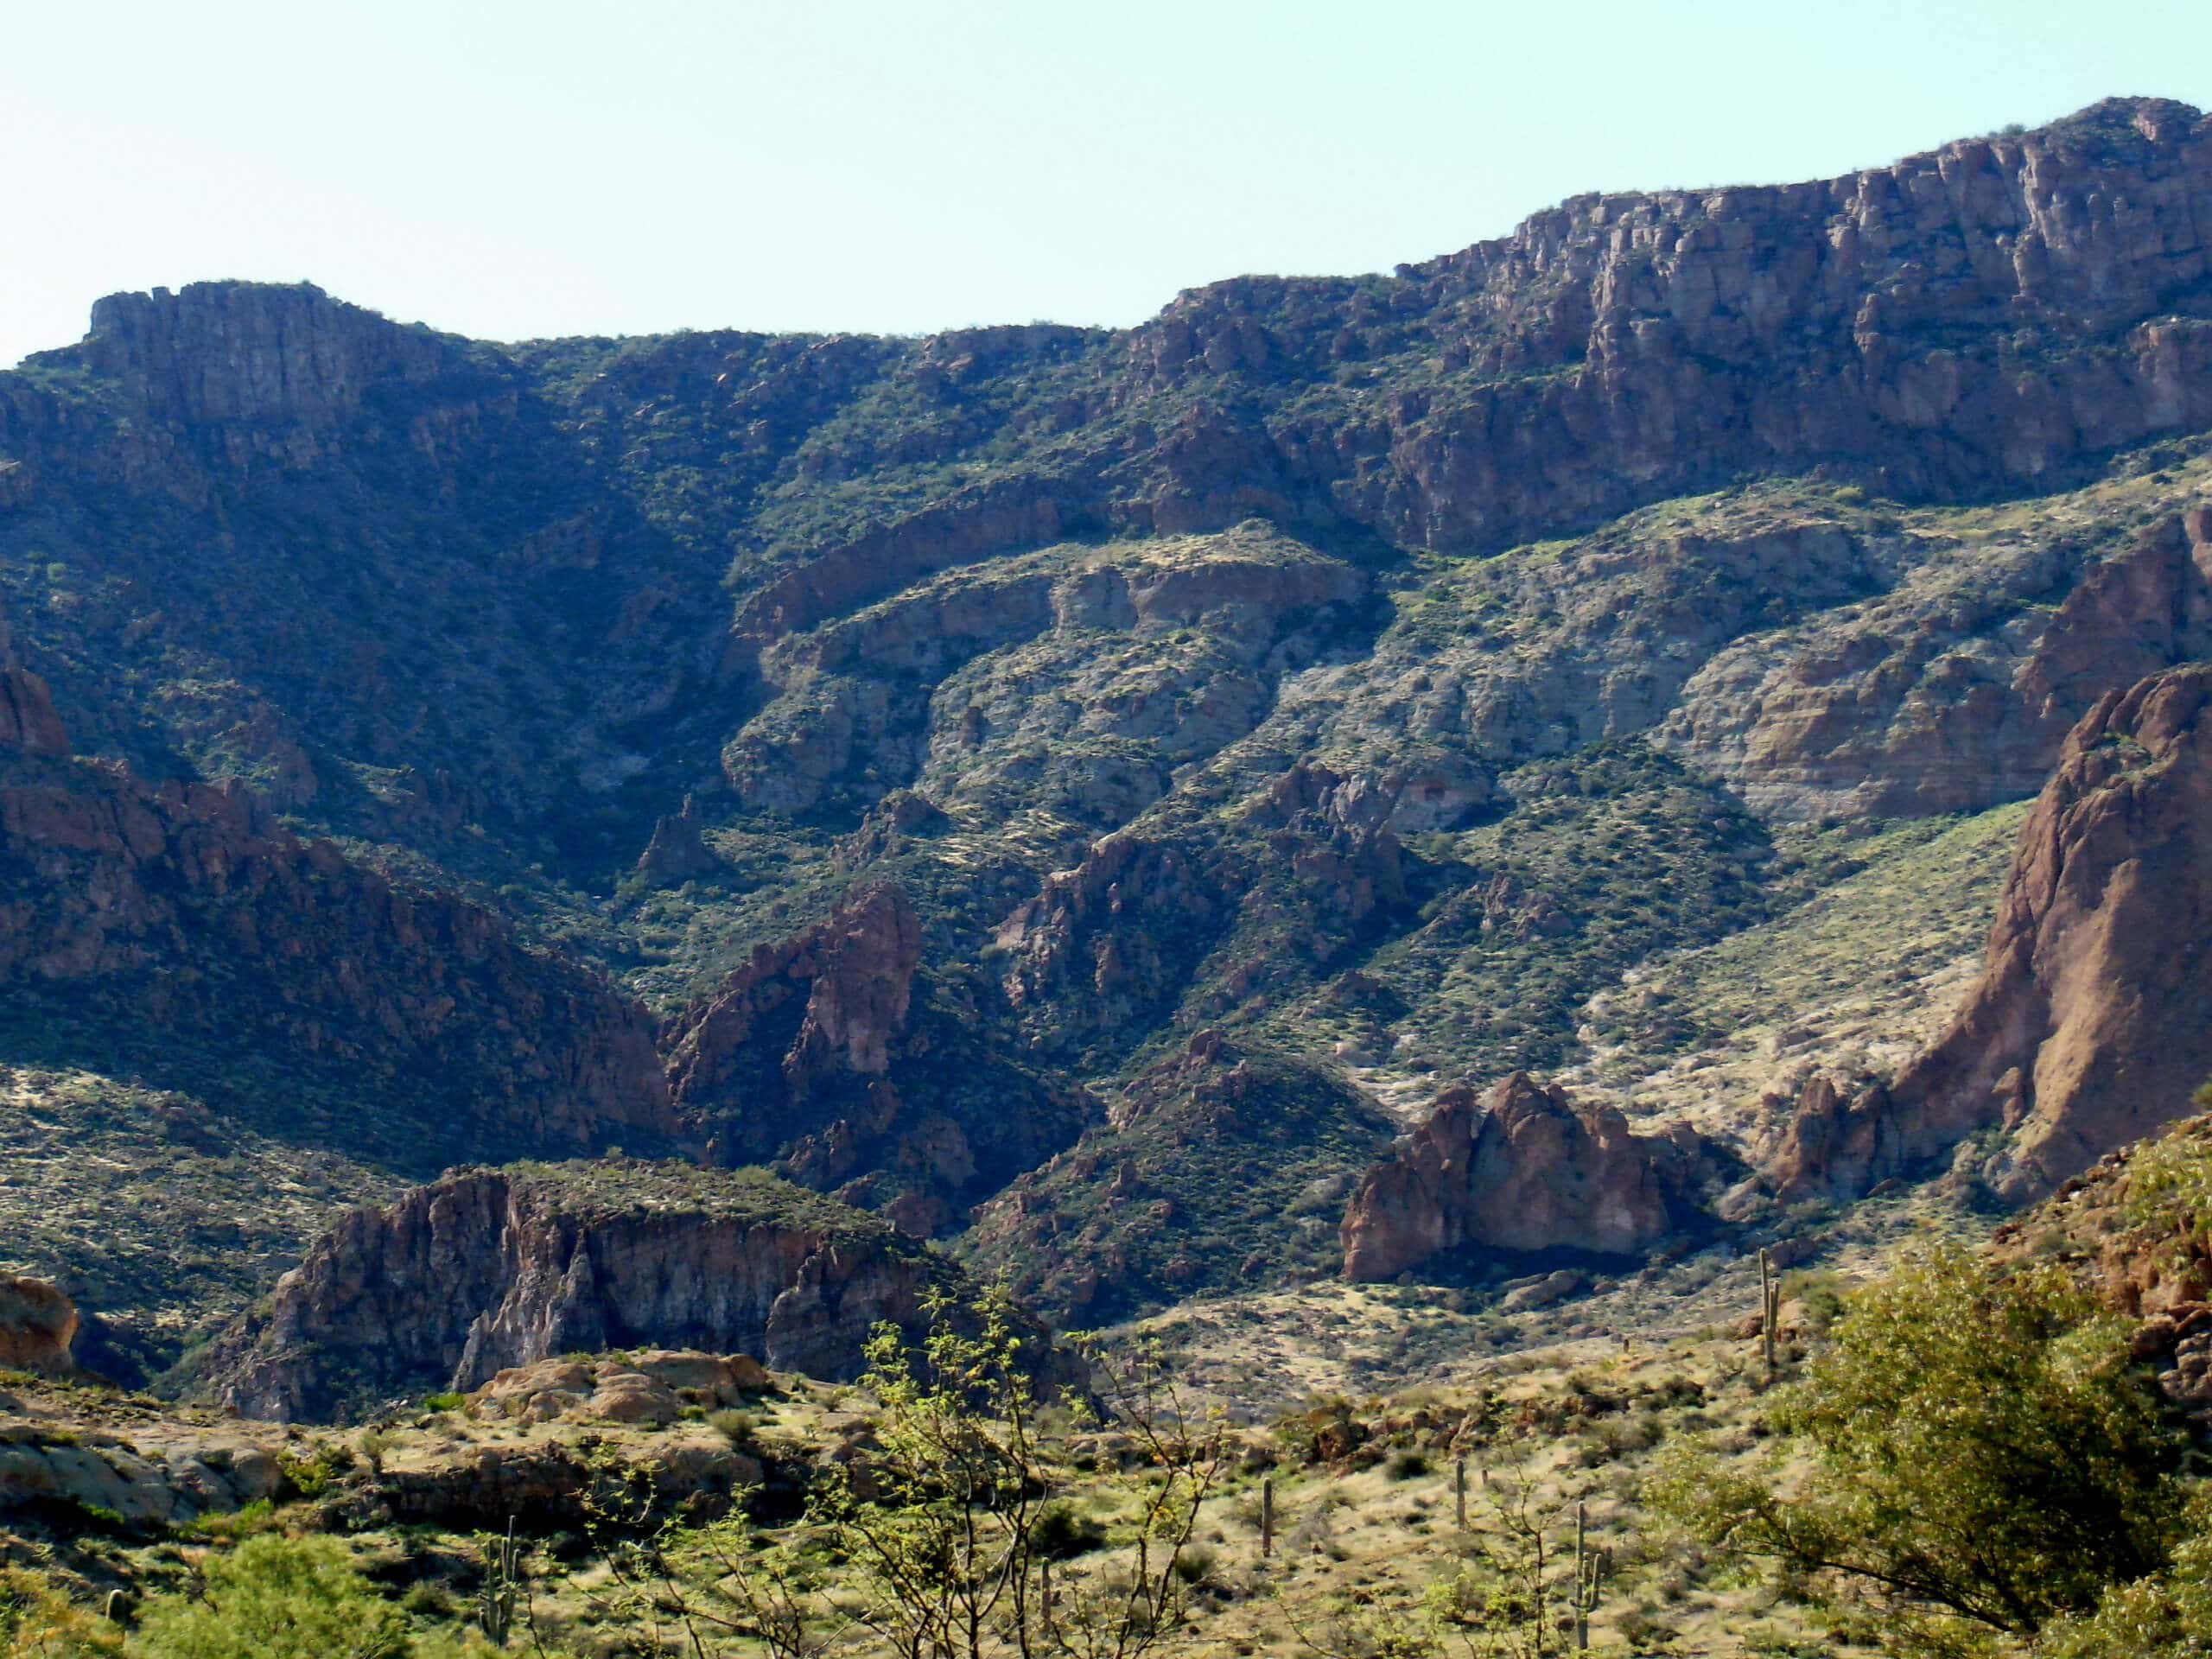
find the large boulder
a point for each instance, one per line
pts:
(1523, 1168)
(38, 1325)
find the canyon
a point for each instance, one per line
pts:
(1308, 786)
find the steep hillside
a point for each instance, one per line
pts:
(1023, 762)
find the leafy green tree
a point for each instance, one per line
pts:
(1974, 1450)
(947, 1536)
(276, 1598)
(955, 1543)
(2161, 1617)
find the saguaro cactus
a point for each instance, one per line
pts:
(495, 1601)
(1769, 1305)
(1589, 1573)
(1267, 1516)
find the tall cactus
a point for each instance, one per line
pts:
(1769, 1305)
(1589, 1572)
(495, 1601)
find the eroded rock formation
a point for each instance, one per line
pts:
(2093, 1020)
(486, 1270)
(831, 1002)
(38, 1328)
(818, 1056)
(2091, 1023)
(1524, 1167)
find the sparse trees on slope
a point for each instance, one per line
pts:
(1979, 1456)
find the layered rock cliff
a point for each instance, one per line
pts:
(1522, 1168)
(1155, 669)
(488, 1269)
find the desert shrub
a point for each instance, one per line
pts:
(1064, 1532)
(1407, 1466)
(735, 1427)
(38, 1622)
(277, 1598)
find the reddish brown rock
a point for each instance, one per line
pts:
(848, 982)
(488, 1270)
(2093, 1020)
(1522, 1168)
(38, 1328)
(677, 850)
(815, 1057)
(2091, 1023)
(28, 721)
(1837, 1145)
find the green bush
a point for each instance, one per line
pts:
(38, 1622)
(1406, 1466)
(277, 1598)
(1976, 1451)
(735, 1427)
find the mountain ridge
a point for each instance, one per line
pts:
(1326, 692)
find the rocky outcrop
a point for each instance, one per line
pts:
(653, 1387)
(486, 1271)
(831, 1001)
(814, 1055)
(28, 724)
(38, 1328)
(1307, 866)
(1955, 690)
(2089, 1026)
(2130, 1230)
(220, 352)
(677, 851)
(1107, 667)
(1836, 1144)
(186, 912)
(1522, 1168)
(979, 521)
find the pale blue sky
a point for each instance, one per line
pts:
(509, 170)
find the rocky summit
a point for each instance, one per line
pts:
(1564, 757)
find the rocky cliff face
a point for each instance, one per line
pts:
(1524, 1167)
(489, 1269)
(28, 724)
(1955, 688)
(1156, 668)
(814, 1055)
(188, 925)
(2088, 1028)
